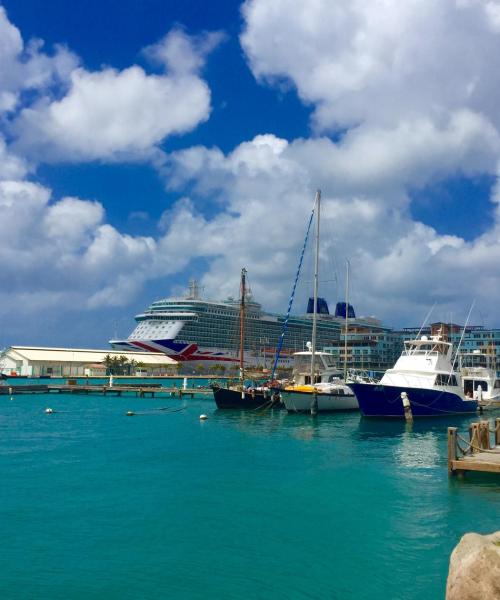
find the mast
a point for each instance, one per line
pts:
(242, 323)
(314, 402)
(346, 317)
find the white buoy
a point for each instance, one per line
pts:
(130, 413)
(203, 417)
(49, 411)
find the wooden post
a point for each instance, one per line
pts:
(497, 431)
(484, 427)
(474, 437)
(452, 448)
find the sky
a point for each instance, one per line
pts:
(145, 143)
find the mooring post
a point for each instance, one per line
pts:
(497, 431)
(474, 438)
(452, 448)
(484, 429)
(406, 406)
(314, 403)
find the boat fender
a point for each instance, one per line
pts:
(406, 406)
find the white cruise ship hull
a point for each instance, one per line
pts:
(297, 401)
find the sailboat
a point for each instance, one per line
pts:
(313, 393)
(238, 396)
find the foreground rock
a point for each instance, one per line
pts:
(475, 568)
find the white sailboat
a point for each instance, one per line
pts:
(322, 390)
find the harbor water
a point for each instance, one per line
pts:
(95, 504)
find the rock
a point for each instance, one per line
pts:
(475, 568)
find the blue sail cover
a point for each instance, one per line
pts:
(322, 306)
(340, 311)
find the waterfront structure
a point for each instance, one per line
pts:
(371, 346)
(76, 362)
(197, 331)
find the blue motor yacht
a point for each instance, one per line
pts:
(426, 374)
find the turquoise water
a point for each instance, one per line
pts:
(94, 504)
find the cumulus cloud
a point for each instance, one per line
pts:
(112, 114)
(378, 61)
(74, 114)
(266, 187)
(27, 67)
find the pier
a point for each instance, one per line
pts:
(141, 391)
(481, 452)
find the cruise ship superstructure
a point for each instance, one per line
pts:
(200, 331)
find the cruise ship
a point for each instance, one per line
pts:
(197, 331)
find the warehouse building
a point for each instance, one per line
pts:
(70, 362)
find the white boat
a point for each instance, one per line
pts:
(320, 390)
(332, 393)
(479, 378)
(424, 376)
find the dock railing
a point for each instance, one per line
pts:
(481, 452)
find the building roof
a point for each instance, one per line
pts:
(85, 355)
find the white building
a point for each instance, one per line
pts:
(76, 362)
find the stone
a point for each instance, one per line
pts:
(474, 572)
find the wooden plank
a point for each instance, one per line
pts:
(485, 467)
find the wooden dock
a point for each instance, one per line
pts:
(481, 452)
(141, 391)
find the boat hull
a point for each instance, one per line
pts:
(376, 400)
(296, 401)
(249, 400)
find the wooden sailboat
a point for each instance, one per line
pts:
(238, 396)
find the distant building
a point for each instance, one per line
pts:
(371, 347)
(78, 362)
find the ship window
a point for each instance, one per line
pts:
(444, 379)
(497, 384)
(483, 384)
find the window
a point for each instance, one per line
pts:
(445, 379)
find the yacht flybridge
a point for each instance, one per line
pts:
(424, 375)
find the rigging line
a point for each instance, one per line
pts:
(461, 339)
(290, 302)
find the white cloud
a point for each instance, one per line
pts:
(265, 188)
(181, 53)
(379, 61)
(73, 114)
(27, 67)
(108, 114)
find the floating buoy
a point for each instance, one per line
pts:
(130, 413)
(203, 417)
(49, 411)
(12, 397)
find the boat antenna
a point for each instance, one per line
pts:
(292, 296)
(425, 320)
(242, 323)
(461, 339)
(346, 316)
(314, 401)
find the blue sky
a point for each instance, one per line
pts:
(144, 143)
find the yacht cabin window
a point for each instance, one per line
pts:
(445, 379)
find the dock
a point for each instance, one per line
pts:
(481, 452)
(141, 391)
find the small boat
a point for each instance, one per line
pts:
(310, 392)
(239, 396)
(479, 378)
(424, 376)
(332, 393)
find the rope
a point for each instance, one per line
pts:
(290, 302)
(474, 447)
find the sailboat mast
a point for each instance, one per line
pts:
(346, 317)
(315, 295)
(242, 322)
